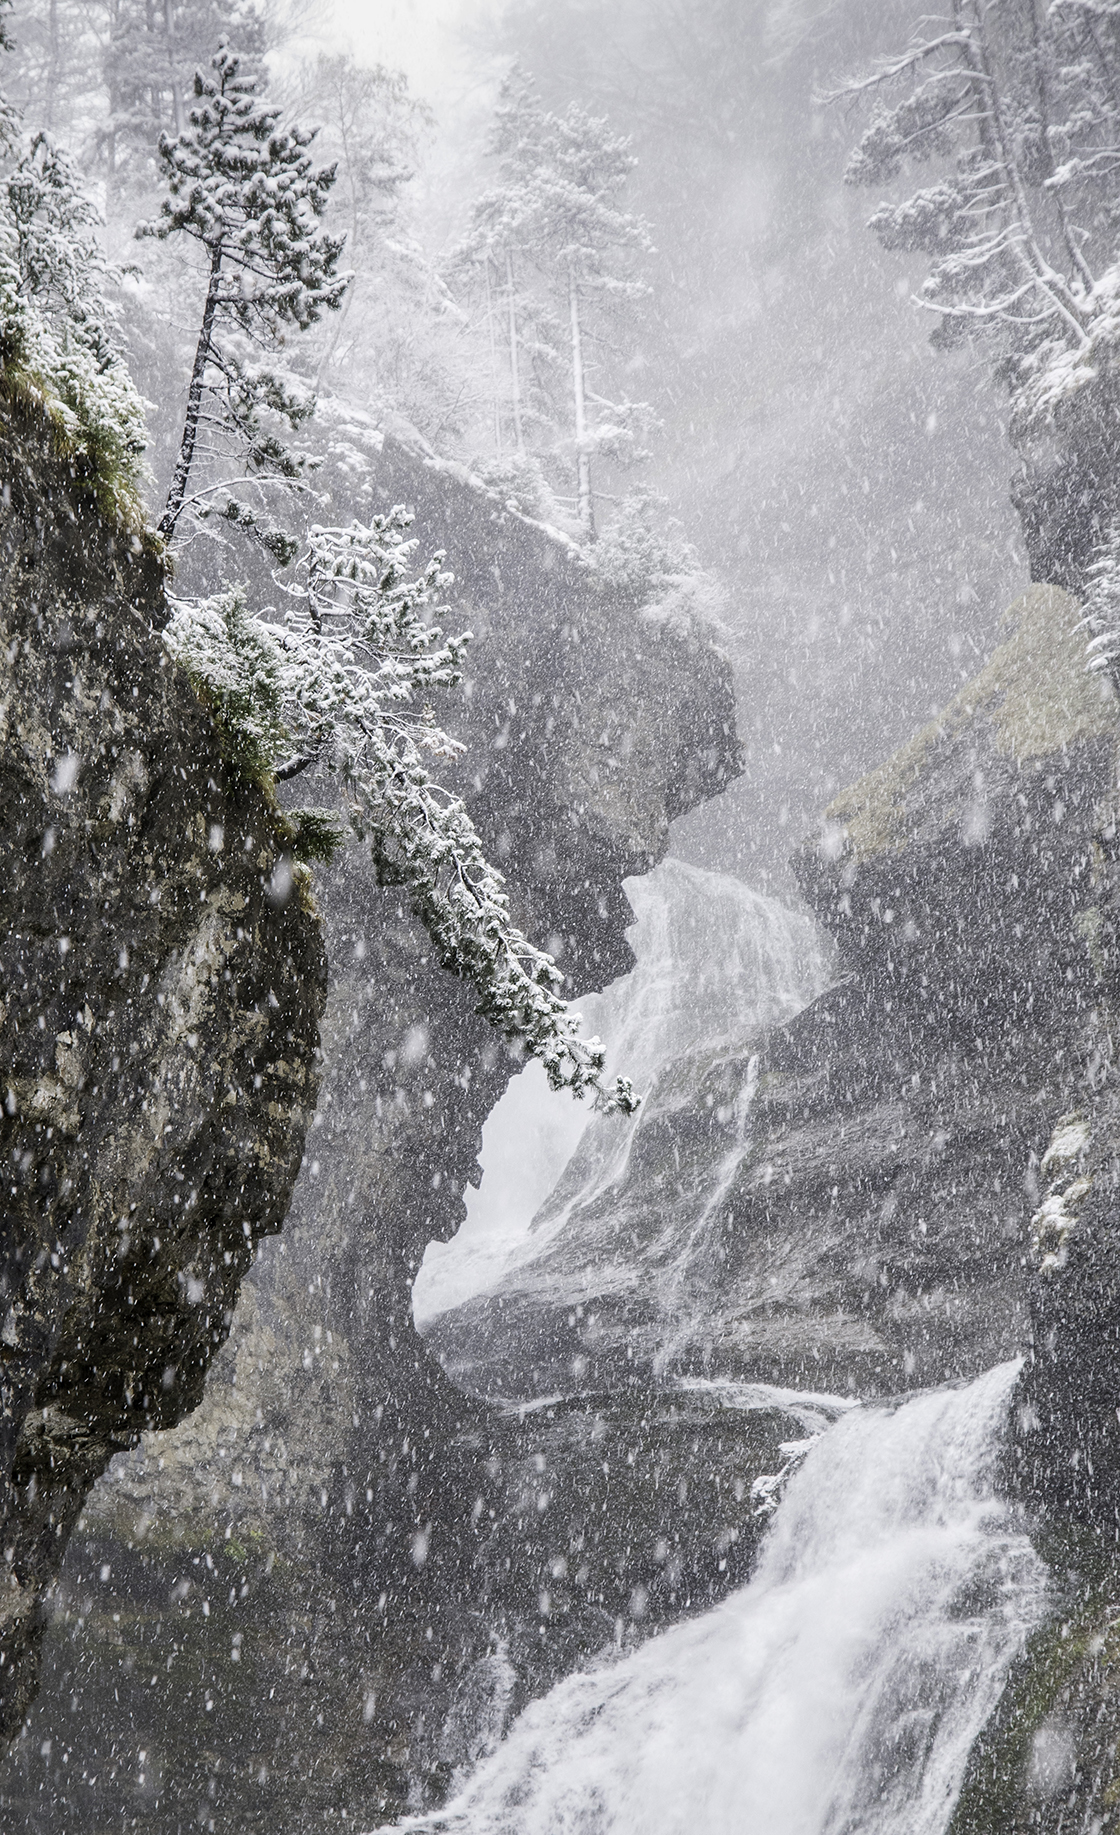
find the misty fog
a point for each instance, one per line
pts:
(560, 582)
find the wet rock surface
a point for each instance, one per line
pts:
(327, 1592)
(324, 1501)
(1048, 1759)
(158, 1025)
(877, 1157)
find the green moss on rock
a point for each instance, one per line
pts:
(1036, 694)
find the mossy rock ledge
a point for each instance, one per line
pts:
(959, 878)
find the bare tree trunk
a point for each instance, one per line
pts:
(514, 359)
(54, 68)
(182, 474)
(1038, 44)
(493, 362)
(172, 69)
(583, 457)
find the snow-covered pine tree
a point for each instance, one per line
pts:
(59, 337)
(369, 124)
(346, 678)
(243, 186)
(489, 262)
(398, 335)
(49, 40)
(1016, 107)
(152, 50)
(557, 212)
(988, 99)
(109, 76)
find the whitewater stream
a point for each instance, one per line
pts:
(839, 1693)
(715, 962)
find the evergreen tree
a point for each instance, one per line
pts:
(388, 329)
(347, 678)
(152, 51)
(244, 188)
(489, 260)
(557, 214)
(110, 76)
(59, 333)
(998, 97)
(1018, 108)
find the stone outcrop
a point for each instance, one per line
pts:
(915, 1179)
(870, 1232)
(934, 1164)
(323, 1504)
(161, 987)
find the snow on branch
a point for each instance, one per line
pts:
(342, 681)
(59, 335)
(241, 184)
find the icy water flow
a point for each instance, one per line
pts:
(839, 1693)
(714, 961)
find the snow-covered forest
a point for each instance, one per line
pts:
(560, 584)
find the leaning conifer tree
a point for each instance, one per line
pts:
(344, 681)
(1014, 110)
(243, 186)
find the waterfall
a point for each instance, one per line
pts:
(839, 1693)
(715, 963)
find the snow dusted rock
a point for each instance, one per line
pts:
(844, 1204)
(161, 988)
(957, 878)
(323, 1502)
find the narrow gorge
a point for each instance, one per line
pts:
(497, 599)
(875, 1155)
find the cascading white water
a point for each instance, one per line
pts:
(839, 1693)
(715, 961)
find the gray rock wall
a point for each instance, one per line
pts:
(872, 1235)
(159, 1011)
(321, 1508)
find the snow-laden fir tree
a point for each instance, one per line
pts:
(554, 234)
(344, 681)
(243, 186)
(490, 262)
(1015, 107)
(152, 49)
(59, 327)
(109, 76)
(396, 344)
(1002, 99)
(370, 124)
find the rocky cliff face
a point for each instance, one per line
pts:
(337, 1513)
(929, 1175)
(868, 1167)
(353, 1571)
(159, 1009)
